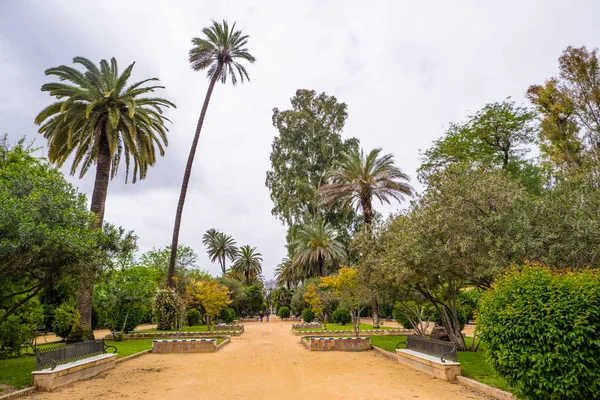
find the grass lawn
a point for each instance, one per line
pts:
(195, 328)
(17, 371)
(347, 327)
(472, 364)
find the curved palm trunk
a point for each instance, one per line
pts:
(186, 179)
(85, 293)
(367, 207)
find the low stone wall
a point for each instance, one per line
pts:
(48, 380)
(184, 346)
(225, 327)
(161, 335)
(489, 391)
(341, 344)
(370, 332)
(433, 366)
(312, 325)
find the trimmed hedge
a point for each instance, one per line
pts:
(308, 315)
(283, 312)
(341, 316)
(541, 331)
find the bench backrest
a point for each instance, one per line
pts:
(66, 353)
(432, 347)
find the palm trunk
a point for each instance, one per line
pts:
(85, 292)
(186, 179)
(367, 207)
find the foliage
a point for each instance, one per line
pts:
(308, 315)
(237, 293)
(313, 300)
(193, 317)
(283, 312)
(254, 299)
(169, 310)
(461, 315)
(212, 296)
(282, 297)
(550, 350)
(228, 315)
(19, 328)
(341, 316)
(219, 247)
(248, 264)
(64, 318)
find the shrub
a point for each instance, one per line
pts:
(228, 315)
(193, 317)
(341, 316)
(283, 312)
(460, 314)
(64, 318)
(134, 318)
(540, 329)
(13, 333)
(308, 315)
(401, 318)
(169, 310)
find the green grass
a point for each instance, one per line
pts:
(472, 364)
(195, 328)
(347, 327)
(17, 371)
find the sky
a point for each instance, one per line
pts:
(406, 69)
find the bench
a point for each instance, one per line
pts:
(434, 357)
(64, 364)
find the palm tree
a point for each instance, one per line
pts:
(356, 179)
(218, 53)
(220, 247)
(248, 264)
(100, 120)
(314, 247)
(284, 274)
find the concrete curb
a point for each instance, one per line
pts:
(387, 354)
(223, 343)
(485, 389)
(131, 357)
(19, 393)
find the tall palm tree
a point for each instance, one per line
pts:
(220, 247)
(99, 119)
(315, 246)
(220, 53)
(356, 179)
(248, 264)
(284, 274)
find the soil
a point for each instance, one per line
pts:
(266, 362)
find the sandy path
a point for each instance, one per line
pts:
(266, 362)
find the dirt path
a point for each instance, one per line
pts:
(266, 362)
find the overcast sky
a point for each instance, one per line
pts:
(405, 70)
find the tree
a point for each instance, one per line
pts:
(570, 109)
(357, 179)
(157, 261)
(101, 120)
(284, 274)
(314, 249)
(308, 144)
(313, 300)
(213, 298)
(220, 52)
(248, 264)
(220, 247)
(348, 289)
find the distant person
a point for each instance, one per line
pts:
(268, 313)
(261, 315)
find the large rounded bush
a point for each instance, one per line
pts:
(193, 317)
(341, 316)
(541, 331)
(283, 312)
(64, 318)
(308, 315)
(228, 315)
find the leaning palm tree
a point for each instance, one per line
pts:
(248, 264)
(220, 53)
(220, 247)
(284, 274)
(356, 179)
(99, 119)
(315, 247)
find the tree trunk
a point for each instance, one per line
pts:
(367, 207)
(186, 179)
(375, 313)
(85, 293)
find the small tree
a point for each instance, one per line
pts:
(213, 298)
(350, 292)
(314, 301)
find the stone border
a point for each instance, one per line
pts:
(19, 393)
(134, 355)
(351, 343)
(307, 326)
(213, 334)
(227, 328)
(490, 391)
(223, 343)
(387, 354)
(369, 332)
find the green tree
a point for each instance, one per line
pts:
(220, 247)
(248, 264)
(356, 179)
(220, 53)
(316, 249)
(213, 298)
(308, 145)
(100, 120)
(157, 261)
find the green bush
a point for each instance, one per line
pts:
(134, 318)
(193, 317)
(13, 333)
(283, 312)
(401, 318)
(228, 315)
(460, 314)
(64, 318)
(308, 315)
(341, 316)
(541, 332)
